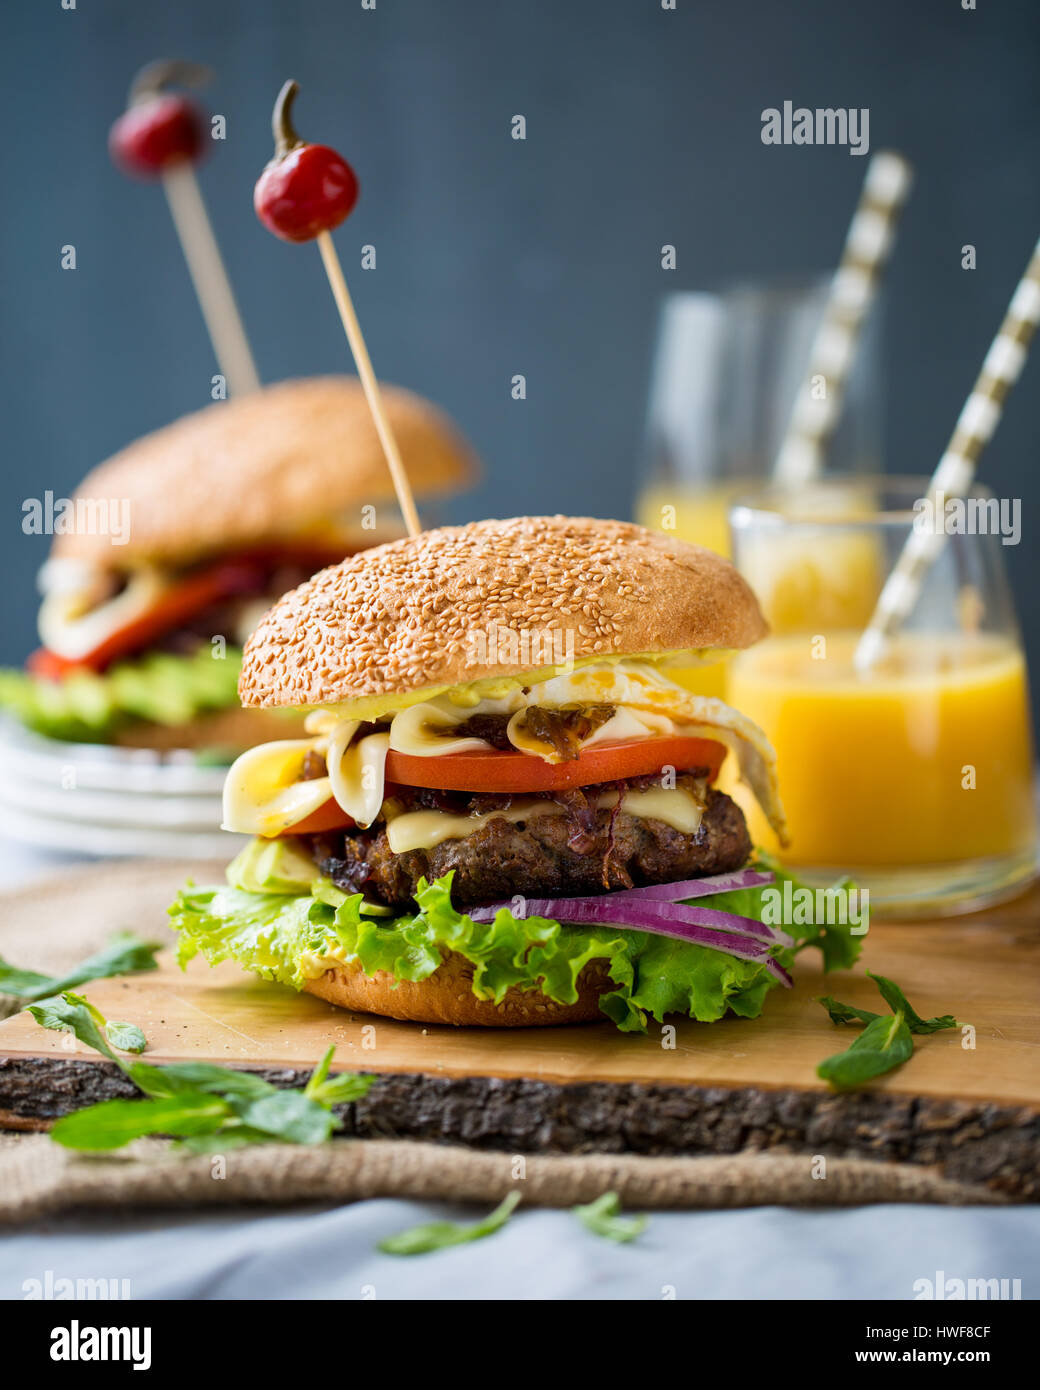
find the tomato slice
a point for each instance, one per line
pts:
(49, 666)
(330, 816)
(521, 772)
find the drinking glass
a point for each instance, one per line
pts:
(727, 367)
(915, 777)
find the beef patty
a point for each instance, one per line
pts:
(534, 858)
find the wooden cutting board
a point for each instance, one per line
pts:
(967, 1102)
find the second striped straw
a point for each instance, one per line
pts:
(956, 471)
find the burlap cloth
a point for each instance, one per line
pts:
(38, 1178)
(53, 924)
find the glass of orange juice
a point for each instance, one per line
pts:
(917, 776)
(727, 367)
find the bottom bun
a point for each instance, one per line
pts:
(447, 996)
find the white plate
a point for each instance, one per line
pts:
(98, 766)
(86, 807)
(73, 837)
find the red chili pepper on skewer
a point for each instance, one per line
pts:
(159, 128)
(305, 189)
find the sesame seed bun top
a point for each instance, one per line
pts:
(402, 617)
(263, 467)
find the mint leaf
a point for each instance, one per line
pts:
(126, 1036)
(320, 1073)
(845, 1013)
(125, 954)
(898, 1003)
(70, 1013)
(439, 1235)
(603, 1218)
(113, 1123)
(74, 1013)
(882, 1046)
(329, 1090)
(341, 1089)
(176, 1077)
(24, 984)
(287, 1115)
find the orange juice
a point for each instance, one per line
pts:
(926, 760)
(807, 580)
(816, 581)
(697, 515)
(700, 516)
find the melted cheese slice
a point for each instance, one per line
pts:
(356, 773)
(426, 829)
(647, 702)
(424, 731)
(263, 794)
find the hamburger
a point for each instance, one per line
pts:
(220, 513)
(505, 810)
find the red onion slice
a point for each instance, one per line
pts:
(742, 937)
(698, 887)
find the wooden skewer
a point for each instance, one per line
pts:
(352, 328)
(209, 276)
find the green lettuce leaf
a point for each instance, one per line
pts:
(158, 687)
(290, 937)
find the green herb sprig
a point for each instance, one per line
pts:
(603, 1218)
(439, 1235)
(886, 1042)
(125, 954)
(208, 1108)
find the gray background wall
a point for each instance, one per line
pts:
(497, 256)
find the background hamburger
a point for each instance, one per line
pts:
(469, 837)
(227, 508)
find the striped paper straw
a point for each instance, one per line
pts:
(956, 471)
(867, 246)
